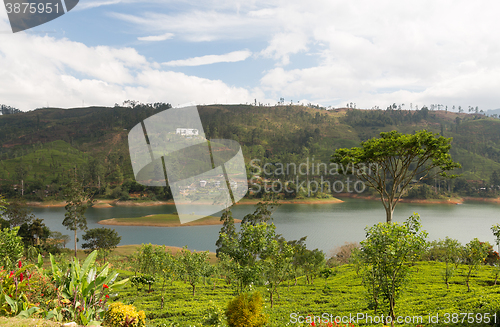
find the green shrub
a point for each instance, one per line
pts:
(214, 316)
(246, 311)
(121, 315)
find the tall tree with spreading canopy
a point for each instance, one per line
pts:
(390, 163)
(77, 202)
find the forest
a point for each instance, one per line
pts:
(44, 148)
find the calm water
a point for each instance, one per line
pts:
(326, 226)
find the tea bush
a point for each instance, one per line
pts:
(121, 315)
(246, 311)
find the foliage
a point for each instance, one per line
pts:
(194, 266)
(390, 163)
(496, 232)
(11, 247)
(18, 213)
(34, 233)
(121, 315)
(308, 262)
(214, 316)
(77, 202)
(388, 250)
(342, 254)
(85, 288)
(246, 311)
(13, 288)
(103, 239)
(474, 254)
(52, 142)
(263, 212)
(228, 229)
(143, 280)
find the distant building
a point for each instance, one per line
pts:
(203, 183)
(187, 131)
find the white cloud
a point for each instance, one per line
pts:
(94, 4)
(211, 59)
(39, 71)
(154, 38)
(329, 52)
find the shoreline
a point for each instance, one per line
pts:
(454, 200)
(102, 204)
(206, 221)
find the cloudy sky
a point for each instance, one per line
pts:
(372, 53)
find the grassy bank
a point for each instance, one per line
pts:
(163, 220)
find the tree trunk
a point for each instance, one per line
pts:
(389, 210)
(391, 312)
(194, 288)
(75, 243)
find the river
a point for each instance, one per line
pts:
(326, 226)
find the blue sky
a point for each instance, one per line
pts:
(323, 52)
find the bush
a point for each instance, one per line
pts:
(214, 316)
(342, 254)
(11, 247)
(121, 315)
(246, 311)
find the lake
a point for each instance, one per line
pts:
(326, 226)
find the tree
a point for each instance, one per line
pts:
(21, 173)
(451, 249)
(194, 265)
(496, 232)
(277, 265)
(263, 213)
(475, 252)
(227, 228)
(77, 202)
(102, 239)
(11, 247)
(495, 180)
(33, 233)
(59, 239)
(387, 253)
(390, 163)
(17, 214)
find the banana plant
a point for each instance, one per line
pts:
(85, 288)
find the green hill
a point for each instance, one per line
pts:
(48, 146)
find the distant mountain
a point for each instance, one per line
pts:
(49, 146)
(493, 112)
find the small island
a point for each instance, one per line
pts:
(163, 220)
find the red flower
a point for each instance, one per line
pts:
(22, 277)
(19, 264)
(105, 286)
(107, 296)
(11, 274)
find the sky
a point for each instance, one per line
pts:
(371, 53)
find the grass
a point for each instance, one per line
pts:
(162, 220)
(340, 295)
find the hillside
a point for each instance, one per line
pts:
(48, 146)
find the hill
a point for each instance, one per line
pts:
(43, 148)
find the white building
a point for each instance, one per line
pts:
(187, 131)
